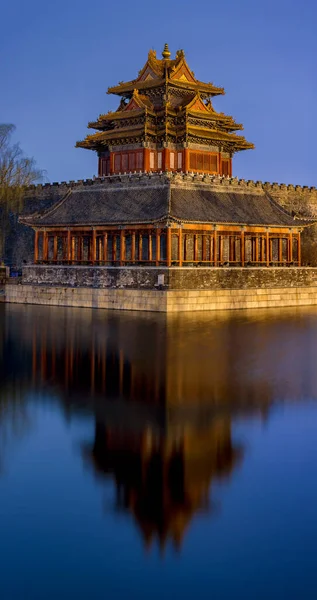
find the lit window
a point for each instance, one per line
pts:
(151, 160)
(179, 160)
(159, 160)
(172, 160)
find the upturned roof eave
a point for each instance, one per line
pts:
(198, 86)
(212, 133)
(92, 224)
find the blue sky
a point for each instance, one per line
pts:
(60, 57)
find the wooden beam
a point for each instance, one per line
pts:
(267, 249)
(215, 257)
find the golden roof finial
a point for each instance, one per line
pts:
(166, 52)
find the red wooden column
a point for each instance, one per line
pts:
(220, 248)
(150, 257)
(215, 248)
(146, 159)
(45, 246)
(140, 246)
(122, 247)
(186, 160)
(36, 246)
(267, 249)
(256, 249)
(204, 247)
(79, 257)
(114, 247)
(133, 246)
(105, 247)
(242, 249)
(262, 249)
(231, 249)
(290, 247)
(69, 248)
(299, 251)
(180, 247)
(280, 249)
(55, 248)
(158, 247)
(93, 247)
(168, 246)
(195, 248)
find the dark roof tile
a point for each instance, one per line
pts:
(133, 203)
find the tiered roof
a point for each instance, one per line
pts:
(164, 199)
(165, 103)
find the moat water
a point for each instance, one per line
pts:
(152, 456)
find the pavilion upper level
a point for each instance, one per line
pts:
(165, 121)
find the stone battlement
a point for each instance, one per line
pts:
(178, 176)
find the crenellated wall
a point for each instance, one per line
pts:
(299, 200)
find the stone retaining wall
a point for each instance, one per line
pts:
(174, 278)
(163, 300)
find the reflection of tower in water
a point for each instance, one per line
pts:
(163, 479)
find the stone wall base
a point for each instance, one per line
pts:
(162, 300)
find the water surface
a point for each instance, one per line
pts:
(145, 455)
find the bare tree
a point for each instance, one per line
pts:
(17, 172)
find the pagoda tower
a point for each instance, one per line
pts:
(165, 122)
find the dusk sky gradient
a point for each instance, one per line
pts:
(58, 59)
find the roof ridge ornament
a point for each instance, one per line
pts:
(166, 52)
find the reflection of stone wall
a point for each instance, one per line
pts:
(3, 275)
(184, 278)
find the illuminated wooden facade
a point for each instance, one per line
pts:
(165, 122)
(166, 220)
